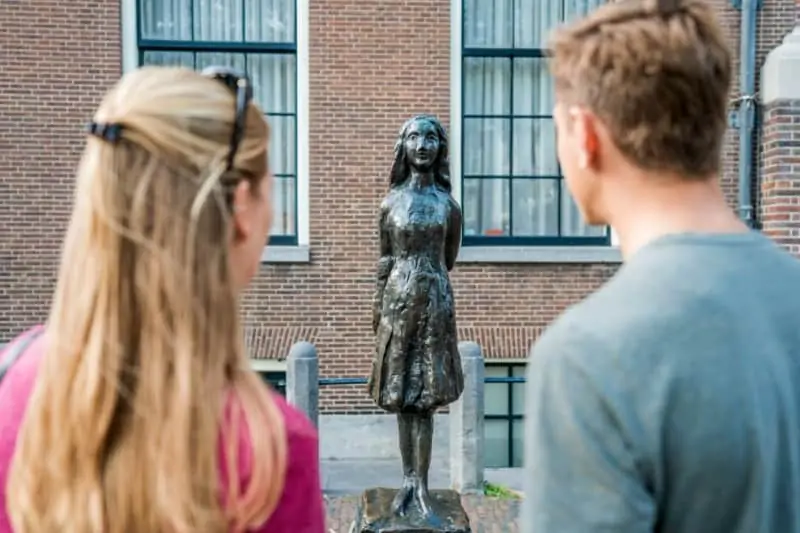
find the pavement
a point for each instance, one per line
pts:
(353, 476)
(344, 480)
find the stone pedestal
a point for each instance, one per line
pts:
(374, 514)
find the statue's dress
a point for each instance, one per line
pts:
(417, 367)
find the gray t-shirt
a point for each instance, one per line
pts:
(669, 400)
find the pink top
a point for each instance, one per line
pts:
(300, 510)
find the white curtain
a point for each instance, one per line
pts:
(508, 129)
(273, 74)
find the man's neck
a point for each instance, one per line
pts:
(688, 207)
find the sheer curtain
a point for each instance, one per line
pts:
(228, 23)
(511, 174)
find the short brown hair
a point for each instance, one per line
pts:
(657, 73)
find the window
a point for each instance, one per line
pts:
(276, 379)
(255, 36)
(512, 190)
(504, 407)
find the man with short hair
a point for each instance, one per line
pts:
(669, 400)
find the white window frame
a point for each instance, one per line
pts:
(299, 253)
(268, 365)
(504, 254)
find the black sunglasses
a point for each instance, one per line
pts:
(240, 84)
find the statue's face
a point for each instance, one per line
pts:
(421, 144)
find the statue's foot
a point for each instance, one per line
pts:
(425, 504)
(404, 497)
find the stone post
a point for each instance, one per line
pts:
(302, 379)
(466, 424)
(780, 179)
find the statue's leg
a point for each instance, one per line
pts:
(405, 430)
(423, 442)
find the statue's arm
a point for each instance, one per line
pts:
(385, 264)
(453, 241)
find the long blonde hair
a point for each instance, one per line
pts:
(130, 416)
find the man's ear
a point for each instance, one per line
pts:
(585, 127)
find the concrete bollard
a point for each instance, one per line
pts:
(466, 424)
(302, 379)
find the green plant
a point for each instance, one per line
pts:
(498, 491)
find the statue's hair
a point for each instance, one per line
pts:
(441, 166)
(127, 423)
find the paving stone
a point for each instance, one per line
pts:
(486, 514)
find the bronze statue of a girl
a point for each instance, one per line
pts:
(417, 367)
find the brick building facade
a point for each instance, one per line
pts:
(337, 79)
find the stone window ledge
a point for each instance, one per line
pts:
(286, 254)
(539, 254)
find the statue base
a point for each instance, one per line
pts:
(374, 514)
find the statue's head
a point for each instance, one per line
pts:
(421, 145)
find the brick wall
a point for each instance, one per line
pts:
(780, 184)
(372, 64)
(58, 57)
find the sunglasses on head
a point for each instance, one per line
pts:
(240, 84)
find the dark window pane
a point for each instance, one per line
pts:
(282, 149)
(579, 8)
(270, 21)
(535, 207)
(166, 19)
(218, 20)
(517, 443)
(283, 206)
(572, 223)
(169, 59)
(277, 380)
(274, 80)
(487, 86)
(534, 20)
(223, 59)
(496, 450)
(533, 87)
(535, 149)
(488, 23)
(486, 143)
(496, 400)
(518, 391)
(486, 207)
(264, 21)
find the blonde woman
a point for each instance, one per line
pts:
(134, 409)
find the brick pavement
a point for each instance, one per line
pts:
(486, 514)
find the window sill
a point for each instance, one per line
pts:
(540, 254)
(274, 254)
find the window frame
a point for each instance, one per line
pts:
(464, 53)
(134, 47)
(510, 417)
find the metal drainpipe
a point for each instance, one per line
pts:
(745, 116)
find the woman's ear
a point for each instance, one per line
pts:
(242, 223)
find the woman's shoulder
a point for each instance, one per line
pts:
(300, 432)
(301, 508)
(19, 361)
(298, 426)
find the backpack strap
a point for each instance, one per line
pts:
(16, 350)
